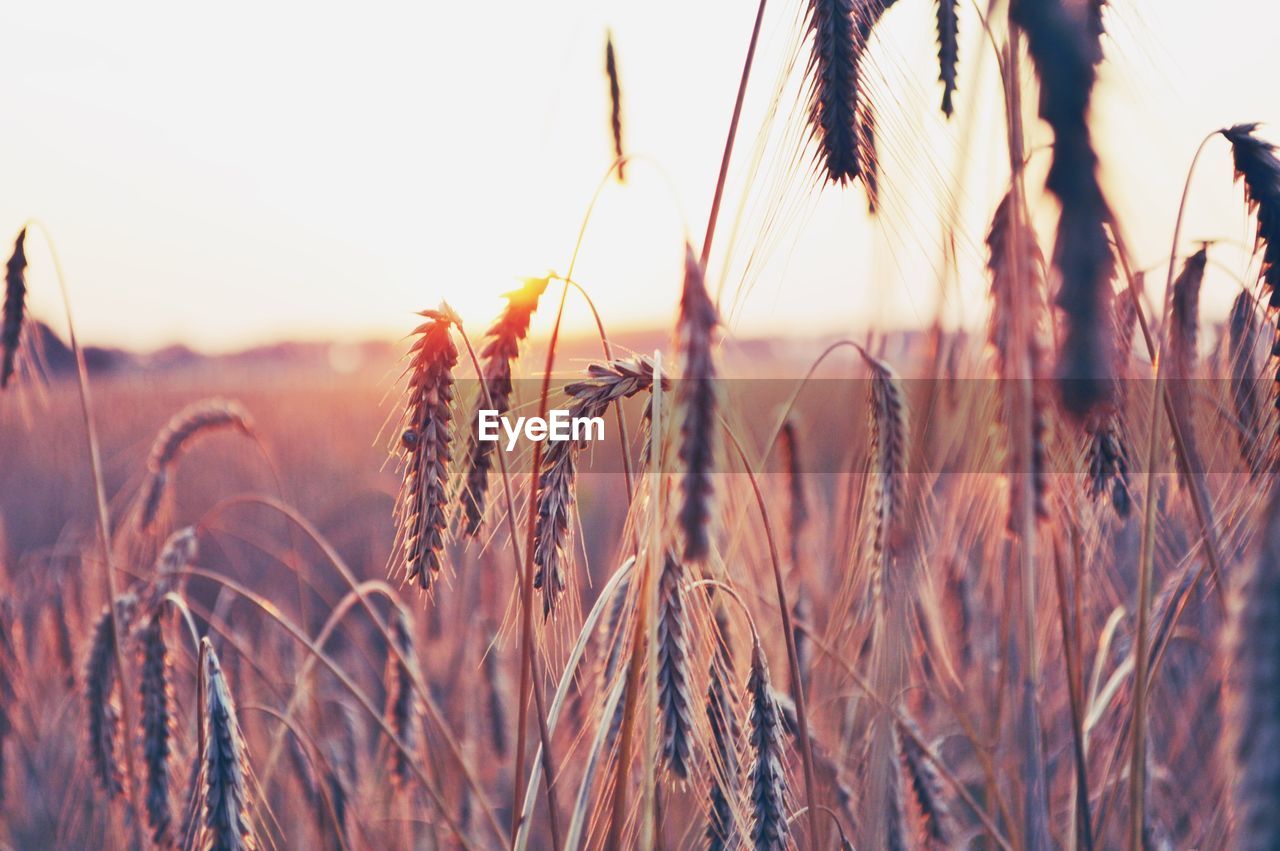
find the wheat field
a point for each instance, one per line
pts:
(1014, 586)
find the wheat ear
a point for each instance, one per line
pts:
(1254, 707)
(767, 777)
(696, 405)
(184, 428)
(615, 104)
(673, 667)
(833, 87)
(224, 811)
(403, 710)
(1063, 52)
(424, 445)
(15, 305)
(157, 723)
(497, 356)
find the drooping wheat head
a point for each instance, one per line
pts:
(188, 425)
(605, 384)
(1258, 166)
(833, 87)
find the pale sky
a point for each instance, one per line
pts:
(240, 172)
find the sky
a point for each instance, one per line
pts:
(234, 174)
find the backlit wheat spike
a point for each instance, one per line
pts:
(1017, 296)
(697, 408)
(402, 710)
(833, 87)
(948, 50)
(615, 104)
(424, 445)
(1185, 307)
(673, 668)
(888, 424)
(1242, 344)
(1063, 52)
(15, 305)
(101, 712)
(179, 552)
(156, 698)
(224, 813)
(184, 428)
(1257, 164)
(1254, 707)
(722, 717)
(767, 778)
(605, 383)
(797, 499)
(1184, 333)
(497, 357)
